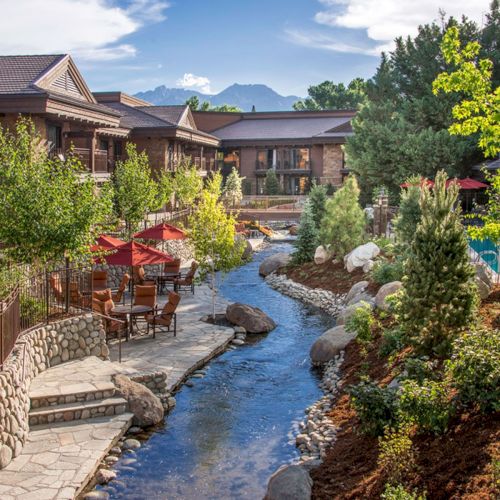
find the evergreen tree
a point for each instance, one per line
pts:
(307, 237)
(343, 225)
(439, 295)
(317, 198)
(232, 189)
(272, 186)
(409, 213)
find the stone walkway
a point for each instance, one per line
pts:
(59, 459)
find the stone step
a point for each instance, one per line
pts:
(77, 411)
(71, 393)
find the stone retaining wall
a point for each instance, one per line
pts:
(35, 351)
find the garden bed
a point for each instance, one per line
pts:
(457, 464)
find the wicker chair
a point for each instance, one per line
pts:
(167, 316)
(186, 281)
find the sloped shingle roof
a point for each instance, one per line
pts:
(133, 117)
(171, 114)
(17, 73)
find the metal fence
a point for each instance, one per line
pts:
(40, 298)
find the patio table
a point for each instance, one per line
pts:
(162, 279)
(130, 311)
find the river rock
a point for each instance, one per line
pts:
(96, 495)
(145, 406)
(360, 256)
(273, 263)
(384, 292)
(104, 476)
(330, 344)
(356, 289)
(253, 319)
(370, 264)
(482, 288)
(293, 231)
(248, 251)
(482, 274)
(348, 311)
(321, 255)
(291, 482)
(131, 444)
(5, 455)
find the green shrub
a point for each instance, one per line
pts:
(385, 244)
(375, 407)
(361, 322)
(399, 493)
(474, 368)
(307, 236)
(384, 271)
(392, 341)
(246, 187)
(427, 405)
(271, 183)
(317, 199)
(421, 369)
(396, 455)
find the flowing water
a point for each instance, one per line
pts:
(231, 430)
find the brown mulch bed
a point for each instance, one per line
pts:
(455, 465)
(329, 276)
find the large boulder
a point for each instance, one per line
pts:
(356, 289)
(145, 406)
(384, 292)
(360, 256)
(348, 311)
(273, 263)
(248, 250)
(321, 255)
(330, 344)
(291, 482)
(293, 230)
(483, 288)
(252, 319)
(482, 274)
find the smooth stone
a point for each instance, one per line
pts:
(329, 345)
(291, 482)
(131, 444)
(237, 342)
(384, 292)
(104, 476)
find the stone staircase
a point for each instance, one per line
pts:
(76, 390)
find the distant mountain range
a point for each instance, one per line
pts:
(262, 97)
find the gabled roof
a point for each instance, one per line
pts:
(175, 114)
(134, 117)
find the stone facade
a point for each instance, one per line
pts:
(35, 352)
(333, 161)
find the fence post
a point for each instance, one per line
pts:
(66, 289)
(47, 295)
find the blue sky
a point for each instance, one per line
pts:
(206, 45)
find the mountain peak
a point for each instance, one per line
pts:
(242, 95)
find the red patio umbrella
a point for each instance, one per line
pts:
(136, 254)
(109, 241)
(161, 232)
(468, 183)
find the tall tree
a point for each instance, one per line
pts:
(187, 183)
(317, 198)
(49, 208)
(193, 102)
(135, 191)
(439, 295)
(213, 234)
(409, 213)
(329, 95)
(232, 190)
(307, 237)
(403, 128)
(272, 186)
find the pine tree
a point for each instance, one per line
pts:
(307, 237)
(232, 190)
(409, 213)
(272, 186)
(439, 295)
(317, 198)
(343, 225)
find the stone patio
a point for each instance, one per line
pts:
(60, 458)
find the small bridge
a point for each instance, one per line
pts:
(271, 208)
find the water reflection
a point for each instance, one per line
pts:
(228, 432)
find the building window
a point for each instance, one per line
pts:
(54, 138)
(296, 158)
(265, 159)
(103, 144)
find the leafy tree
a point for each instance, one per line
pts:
(491, 220)
(135, 191)
(480, 111)
(403, 127)
(187, 183)
(226, 108)
(329, 95)
(343, 225)
(409, 213)
(193, 102)
(233, 188)
(214, 184)
(212, 232)
(317, 198)
(271, 186)
(307, 236)
(164, 189)
(439, 296)
(48, 209)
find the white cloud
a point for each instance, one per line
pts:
(201, 83)
(89, 29)
(383, 20)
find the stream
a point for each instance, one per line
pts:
(231, 430)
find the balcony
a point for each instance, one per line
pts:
(284, 167)
(103, 163)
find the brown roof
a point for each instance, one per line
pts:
(134, 117)
(18, 73)
(172, 114)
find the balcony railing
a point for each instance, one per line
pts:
(283, 166)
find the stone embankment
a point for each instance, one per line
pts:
(323, 299)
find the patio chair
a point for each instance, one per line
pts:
(172, 267)
(111, 326)
(145, 295)
(166, 316)
(56, 287)
(186, 282)
(99, 280)
(118, 296)
(139, 277)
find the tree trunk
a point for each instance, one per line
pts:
(214, 292)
